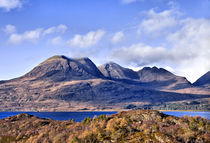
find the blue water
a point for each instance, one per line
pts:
(79, 116)
(189, 113)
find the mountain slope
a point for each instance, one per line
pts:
(64, 84)
(115, 71)
(162, 77)
(203, 80)
(60, 68)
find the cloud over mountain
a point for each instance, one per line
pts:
(87, 40)
(117, 37)
(157, 22)
(186, 43)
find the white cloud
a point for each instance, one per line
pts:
(118, 37)
(8, 29)
(28, 36)
(10, 4)
(56, 29)
(141, 54)
(168, 68)
(157, 22)
(129, 1)
(192, 43)
(87, 40)
(187, 49)
(57, 40)
(33, 35)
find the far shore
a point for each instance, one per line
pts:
(110, 110)
(185, 110)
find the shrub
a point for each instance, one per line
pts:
(75, 140)
(87, 121)
(101, 117)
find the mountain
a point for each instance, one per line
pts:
(203, 81)
(61, 68)
(64, 84)
(115, 71)
(148, 74)
(156, 77)
(161, 77)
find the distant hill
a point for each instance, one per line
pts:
(203, 80)
(64, 84)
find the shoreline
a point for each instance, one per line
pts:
(113, 111)
(184, 110)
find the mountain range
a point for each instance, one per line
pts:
(65, 84)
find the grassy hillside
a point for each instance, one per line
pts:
(131, 126)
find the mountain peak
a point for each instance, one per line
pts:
(148, 74)
(59, 57)
(203, 80)
(156, 70)
(83, 58)
(115, 71)
(59, 68)
(56, 58)
(161, 75)
(154, 67)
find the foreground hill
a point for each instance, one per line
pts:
(64, 84)
(132, 126)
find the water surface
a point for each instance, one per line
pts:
(188, 113)
(79, 116)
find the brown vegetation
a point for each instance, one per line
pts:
(131, 126)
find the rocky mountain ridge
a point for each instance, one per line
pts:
(65, 84)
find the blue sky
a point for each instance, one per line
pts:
(134, 33)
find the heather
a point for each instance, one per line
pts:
(126, 126)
